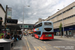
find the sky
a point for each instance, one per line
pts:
(34, 9)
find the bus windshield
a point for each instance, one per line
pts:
(47, 23)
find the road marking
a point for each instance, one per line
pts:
(35, 48)
(28, 44)
(44, 42)
(44, 47)
(40, 48)
(57, 48)
(49, 44)
(54, 47)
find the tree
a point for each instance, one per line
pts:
(60, 28)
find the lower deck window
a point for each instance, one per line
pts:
(38, 32)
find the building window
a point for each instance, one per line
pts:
(21, 26)
(30, 26)
(65, 18)
(61, 13)
(73, 6)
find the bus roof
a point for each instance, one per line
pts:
(44, 21)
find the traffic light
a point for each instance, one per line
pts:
(14, 21)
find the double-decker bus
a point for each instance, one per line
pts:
(44, 30)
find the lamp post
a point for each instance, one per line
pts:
(23, 15)
(23, 18)
(62, 22)
(6, 17)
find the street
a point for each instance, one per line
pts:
(56, 44)
(31, 43)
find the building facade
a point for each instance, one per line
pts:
(2, 14)
(2, 17)
(40, 20)
(66, 16)
(11, 25)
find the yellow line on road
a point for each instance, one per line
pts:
(28, 44)
(57, 48)
(44, 42)
(54, 47)
(39, 48)
(35, 48)
(44, 47)
(49, 44)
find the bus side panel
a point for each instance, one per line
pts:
(36, 36)
(43, 37)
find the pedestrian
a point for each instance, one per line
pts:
(74, 35)
(2, 36)
(15, 37)
(8, 36)
(11, 35)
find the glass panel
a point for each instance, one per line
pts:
(39, 25)
(26, 26)
(47, 23)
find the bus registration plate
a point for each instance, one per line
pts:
(48, 35)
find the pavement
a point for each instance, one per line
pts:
(65, 38)
(20, 45)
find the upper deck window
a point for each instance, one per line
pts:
(47, 23)
(39, 25)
